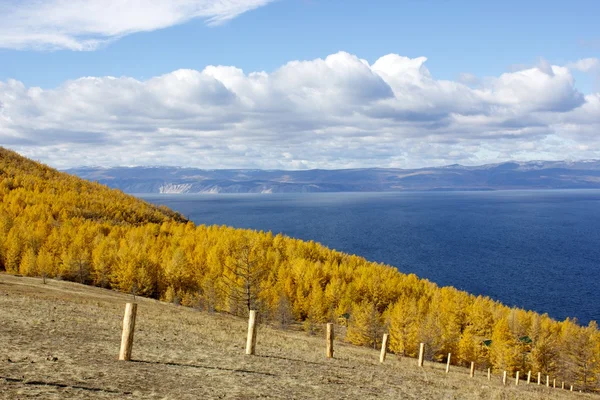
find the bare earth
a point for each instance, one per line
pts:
(61, 340)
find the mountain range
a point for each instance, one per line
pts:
(502, 176)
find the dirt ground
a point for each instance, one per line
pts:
(61, 340)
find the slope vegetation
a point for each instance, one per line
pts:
(58, 226)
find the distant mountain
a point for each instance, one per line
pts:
(508, 175)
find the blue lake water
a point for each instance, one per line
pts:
(537, 250)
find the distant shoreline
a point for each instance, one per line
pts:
(546, 175)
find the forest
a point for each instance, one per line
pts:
(55, 225)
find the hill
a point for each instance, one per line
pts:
(61, 340)
(33, 185)
(57, 226)
(509, 175)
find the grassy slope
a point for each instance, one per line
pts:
(61, 340)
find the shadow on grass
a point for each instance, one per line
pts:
(62, 385)
(174, 364)
(324, 364)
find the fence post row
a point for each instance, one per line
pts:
(128, 330)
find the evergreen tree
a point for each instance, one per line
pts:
(13, 251)
(403, 327)
(28, 265)
(505, 351)
(468, 348)
(365, 327)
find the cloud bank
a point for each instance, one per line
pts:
(337, 112)
(86, 24)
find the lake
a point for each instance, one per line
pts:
(537, 250)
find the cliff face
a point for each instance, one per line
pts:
(511, 175)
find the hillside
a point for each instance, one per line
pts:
(57, 226)
(509, 175)
(33, 185)
(60, 340)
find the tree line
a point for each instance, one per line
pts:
(59, 226)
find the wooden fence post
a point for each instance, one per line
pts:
(330, 340)
(571, 388)
(128, 329)
(529, 377)
(472, 373)
(563, 386)
(384, 342)
(251, 341)
(421, 352)
(547, 380)
(554, 383)
(504, 378)
(517, 379)
(539, 378)
(489, 373)
(448, 363)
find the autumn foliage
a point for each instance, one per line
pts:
(59, 226)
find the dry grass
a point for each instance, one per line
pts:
(61, 340)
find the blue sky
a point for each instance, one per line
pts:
(480, 37)
(476, 44)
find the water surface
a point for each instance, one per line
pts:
(538, 250)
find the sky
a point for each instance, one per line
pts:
(299, 84)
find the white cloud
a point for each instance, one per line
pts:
(585, 65)
(86, 24)
(469, 79)
(545, 88)
(335, 112)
